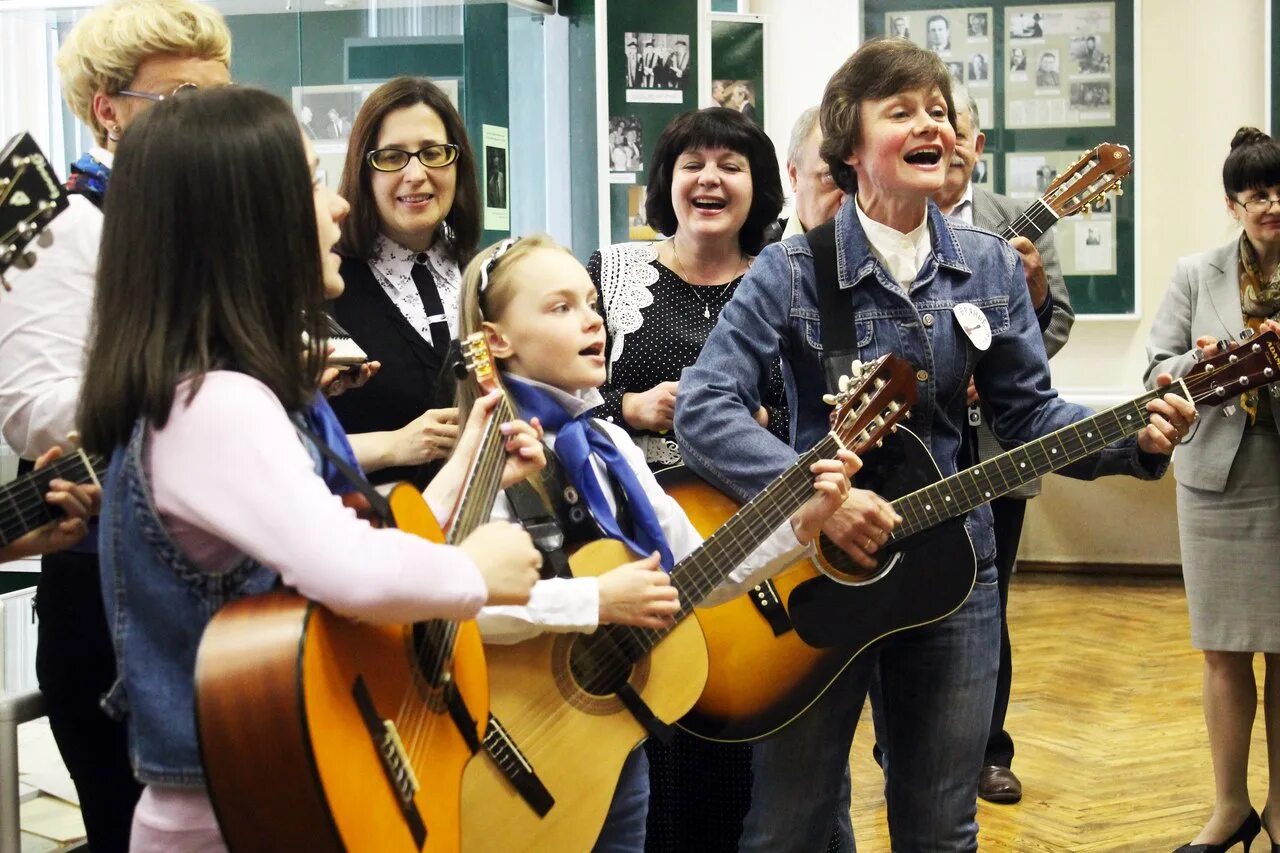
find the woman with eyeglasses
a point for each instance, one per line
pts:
(410, 178)
(1228, 474)
(115, 64)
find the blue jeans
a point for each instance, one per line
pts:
(938, 686)
(624, 826)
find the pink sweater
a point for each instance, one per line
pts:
(230, 478)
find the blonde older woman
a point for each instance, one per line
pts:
(119, 60)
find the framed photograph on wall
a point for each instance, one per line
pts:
(327, 112)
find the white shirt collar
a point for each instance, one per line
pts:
(575, 404)
(963, 210)
(902, 255)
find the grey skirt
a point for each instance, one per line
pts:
(1231, 552)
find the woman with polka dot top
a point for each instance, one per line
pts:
(714, 187)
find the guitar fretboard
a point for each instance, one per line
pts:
(706, 568)
(1034, 221)
(982, 483)
(22, 504)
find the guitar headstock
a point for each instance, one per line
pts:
(1227, 375)
(871, 401)
(1089, 179)
(30, 197)
(475, 354)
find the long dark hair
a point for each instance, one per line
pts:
(360, 230)
(716, 127)
(209, 261)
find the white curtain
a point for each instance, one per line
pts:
(28, 85)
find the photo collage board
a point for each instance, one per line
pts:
(652, 58)
(1051, 80)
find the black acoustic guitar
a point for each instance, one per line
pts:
(928, 567)
(30, 197)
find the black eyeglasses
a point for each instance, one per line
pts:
(180, 89)
(1257, 205)
(394, 159)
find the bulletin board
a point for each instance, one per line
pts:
(1051, 80)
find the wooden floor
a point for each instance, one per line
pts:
(1106, 718)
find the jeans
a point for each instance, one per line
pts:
(624, 826)
(937, 685)
(1008, 513)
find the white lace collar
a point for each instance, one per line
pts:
(626, 275)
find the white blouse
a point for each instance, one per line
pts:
(392, 266)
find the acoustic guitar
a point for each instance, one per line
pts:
(762, 674)
(323, 733)
(924, 573)
(30, 197)
(568, 708)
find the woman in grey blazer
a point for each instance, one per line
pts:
(1228, 473)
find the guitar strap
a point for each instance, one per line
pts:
(835, 306)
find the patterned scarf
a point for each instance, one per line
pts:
(89, 178)
(1258, 302)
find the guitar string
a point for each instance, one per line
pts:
(440, 636)
(76, 469)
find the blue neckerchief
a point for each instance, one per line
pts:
(324, 423)
(89, 177)
(576, 442)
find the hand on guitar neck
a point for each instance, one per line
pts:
(1033, 269)
(1171, 418)
(78, 502)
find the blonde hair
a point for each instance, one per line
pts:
(475, 307)
(103, 51)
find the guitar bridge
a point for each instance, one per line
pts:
(516, 768)
(394, 759)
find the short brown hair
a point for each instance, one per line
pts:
(879, 69)
(360, 230)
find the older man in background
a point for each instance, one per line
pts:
(815, 198)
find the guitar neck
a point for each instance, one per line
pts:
(996, 477)
(707, 567)
(22, 504)
(1034, 221)
(485, 477)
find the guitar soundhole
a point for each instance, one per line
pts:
(432, 650)
(836, 564)
(602, 662)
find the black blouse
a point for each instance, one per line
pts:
(673, 328)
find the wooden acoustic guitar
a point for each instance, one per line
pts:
(323, 733)
(568, 708)
(762, 674)
(30, 197)
(925, 571)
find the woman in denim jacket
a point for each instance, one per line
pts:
(888, 128)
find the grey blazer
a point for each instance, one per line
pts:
(994, 213)
(1203, 299)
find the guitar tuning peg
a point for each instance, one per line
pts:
(829, 399)
(45, 240)
(843, 384)
(24, 260)
(855, 367)
(1088, 211)
(1119, 192)
(880, 443)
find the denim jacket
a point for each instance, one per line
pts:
(158, 603)
(775, 312)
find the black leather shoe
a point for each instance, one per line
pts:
(998, 785)
(1244, 836)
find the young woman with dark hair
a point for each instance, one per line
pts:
(410, 178)
(1229, 488)
(714, 188)
(218, 487)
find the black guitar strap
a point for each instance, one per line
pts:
(835, 306)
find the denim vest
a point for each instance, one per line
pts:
(158, 603)
(775, 313)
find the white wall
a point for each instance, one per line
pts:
(807, 42)
(1200, 77)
